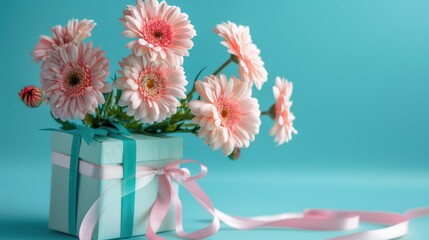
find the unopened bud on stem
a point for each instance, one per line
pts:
(31, 96)
(235, 154)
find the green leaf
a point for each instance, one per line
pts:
(171, 128)
(106, 105)
(89, 120)
(118, 96)
(114, 77)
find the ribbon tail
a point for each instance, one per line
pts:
(160, 207)
(317, 219)
(208, 231)
(398, 229)
(327, 220)
(417, 212)
(392, 232)
(196, 191)
(288, 220)
(310, 220)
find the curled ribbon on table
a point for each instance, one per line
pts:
(309, 220)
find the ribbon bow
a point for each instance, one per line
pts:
(309, 220)
(88, 134)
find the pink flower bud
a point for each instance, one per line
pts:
(31, 96)
(235, 154)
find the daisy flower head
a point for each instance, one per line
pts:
(162, 32)
(239, 43)
(227, 114)
(283, 118)
(75, 30)
(73, 79)
(150, 89)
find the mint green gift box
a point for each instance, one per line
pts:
(105, 153)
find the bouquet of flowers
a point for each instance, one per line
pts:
(148, 95)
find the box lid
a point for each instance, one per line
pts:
(106, 150)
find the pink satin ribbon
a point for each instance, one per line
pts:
(397, 224)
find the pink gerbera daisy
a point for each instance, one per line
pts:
(150, 89)
(239, 43)
(74, 31)
(227, 114)
(164, 33)
(280, 111)
(73, 80)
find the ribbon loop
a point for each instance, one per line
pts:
(88, 133)
(184, 172)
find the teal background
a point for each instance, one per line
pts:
(361, 83)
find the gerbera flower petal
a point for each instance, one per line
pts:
(73, 85)
(283, 117)
(75, 30)
(150, 89)
(224, 119)
(239, 43)
(164, 33)
(80, 30)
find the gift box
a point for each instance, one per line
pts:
(100, 168)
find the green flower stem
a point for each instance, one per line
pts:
(223, 66)
(271, 112)
(189, 125)
(230, 60)
(191, 93)
(189, 96)
(168, 127)
(106, 105)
